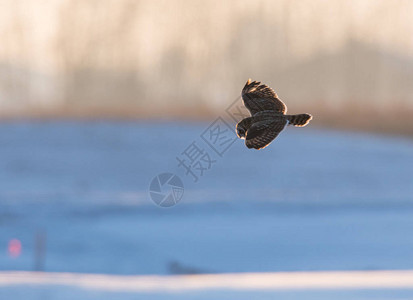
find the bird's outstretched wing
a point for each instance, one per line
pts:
(260, 97)
(262, 133)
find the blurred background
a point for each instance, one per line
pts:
(99, 97)
(143, 59)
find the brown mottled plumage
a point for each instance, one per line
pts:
(268, 116)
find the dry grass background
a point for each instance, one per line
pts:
(348, 62)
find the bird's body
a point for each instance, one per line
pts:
(268, 116)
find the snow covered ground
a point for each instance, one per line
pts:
(293, 285)
(312, 200)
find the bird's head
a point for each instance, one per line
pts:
(241, 132)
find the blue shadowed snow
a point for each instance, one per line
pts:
(312, 200)
(69, 293)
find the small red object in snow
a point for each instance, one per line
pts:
(15, 248)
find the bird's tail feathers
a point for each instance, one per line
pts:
(299, 120)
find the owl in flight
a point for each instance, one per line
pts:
(268, 116)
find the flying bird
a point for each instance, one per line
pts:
(268, 116)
